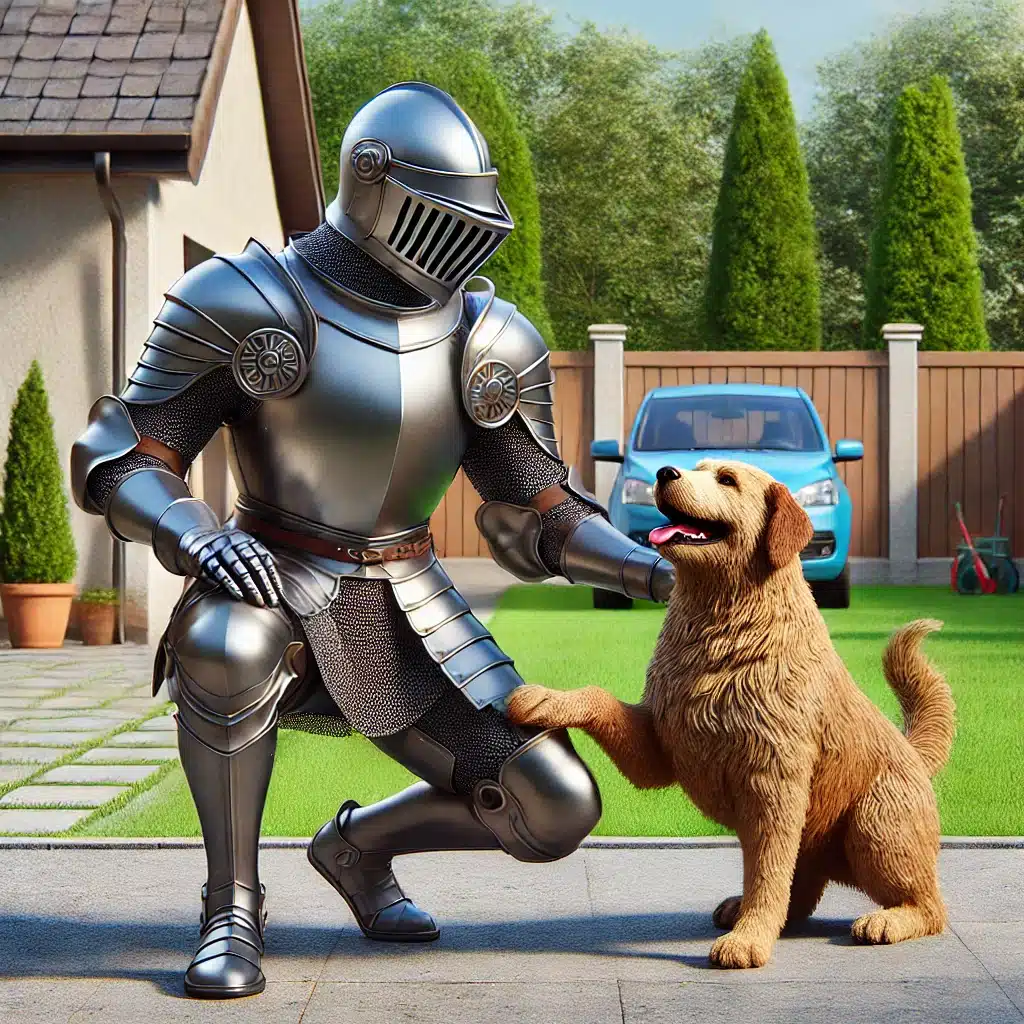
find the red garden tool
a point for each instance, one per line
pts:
(985, 580)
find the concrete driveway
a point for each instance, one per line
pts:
(607, 936)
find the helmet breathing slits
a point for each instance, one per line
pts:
(399, 220)
(472, 255)
(426, 251)
(422, 236)
(444, 272)
(446, 247)
(414, 220)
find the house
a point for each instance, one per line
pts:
(201, 110)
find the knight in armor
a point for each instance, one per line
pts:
(356, 371)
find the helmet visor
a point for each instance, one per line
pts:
(440, 237)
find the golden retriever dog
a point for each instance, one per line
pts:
(749, 708)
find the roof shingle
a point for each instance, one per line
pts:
(95, 66)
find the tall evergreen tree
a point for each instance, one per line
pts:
(36, 543)
(763, 285)
(923, 264)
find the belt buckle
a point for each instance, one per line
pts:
(366, 556)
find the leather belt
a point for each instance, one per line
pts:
(263, 530)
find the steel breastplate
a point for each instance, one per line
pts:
(372, 440)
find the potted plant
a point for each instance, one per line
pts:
(37, 549)
(97, 615)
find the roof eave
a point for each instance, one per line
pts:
(157, 154)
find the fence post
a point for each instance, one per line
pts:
(608, 342)
(902, 341)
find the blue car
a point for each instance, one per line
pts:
(775, 428)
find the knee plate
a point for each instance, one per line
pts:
(230, 664)
(545, 801)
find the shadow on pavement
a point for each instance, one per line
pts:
(69, 948)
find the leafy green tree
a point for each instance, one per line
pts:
(924, 265)
(978, 46)
(626, 188)
(36, 543)
(354, 50)
(763, 280)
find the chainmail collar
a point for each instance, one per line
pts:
(342, 263)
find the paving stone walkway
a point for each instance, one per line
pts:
(78, 729)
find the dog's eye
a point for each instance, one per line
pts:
(727, 480)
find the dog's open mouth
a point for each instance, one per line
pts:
(688, 530)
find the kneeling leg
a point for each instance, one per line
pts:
(488, 785)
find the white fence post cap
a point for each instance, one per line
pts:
(607, 332)
(902, 332)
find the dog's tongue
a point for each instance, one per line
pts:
(663, 534)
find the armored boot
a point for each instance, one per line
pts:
(229, 794)
(353, 852)
(227, 962)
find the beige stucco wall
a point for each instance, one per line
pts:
(55, 306)
(55, 289)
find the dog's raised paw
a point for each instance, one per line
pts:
(537, 705)
(727, 912)
(738, 951)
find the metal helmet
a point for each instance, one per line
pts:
(417, 189)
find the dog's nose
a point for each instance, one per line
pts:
(667, 474)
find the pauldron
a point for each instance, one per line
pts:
(506, 367)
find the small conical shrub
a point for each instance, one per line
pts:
(763, 281)
(36, 543)
(923, 264)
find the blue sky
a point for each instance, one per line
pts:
(804, 31)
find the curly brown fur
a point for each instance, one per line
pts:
(749, 708)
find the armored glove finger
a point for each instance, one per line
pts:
(237, 567)
(235, 561)
(246, 565)
(267, 571)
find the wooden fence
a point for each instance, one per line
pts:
(970, 415)
(848, 389)
(970, 445)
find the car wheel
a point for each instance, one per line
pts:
(833, 593)
(608, 599)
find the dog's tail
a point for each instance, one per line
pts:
(924, 696)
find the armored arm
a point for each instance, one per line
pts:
(537, 518)
(233, 332)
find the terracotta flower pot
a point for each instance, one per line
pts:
(97, 622)
(37, 613)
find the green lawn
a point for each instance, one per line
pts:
(557, 638)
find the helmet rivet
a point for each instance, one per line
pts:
(370, 161)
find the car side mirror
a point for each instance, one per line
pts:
(848, 451)
(605, 451)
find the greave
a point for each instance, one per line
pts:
(229, 791)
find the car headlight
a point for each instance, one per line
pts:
(637, 492)
(821, 492)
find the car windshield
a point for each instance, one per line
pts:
(735, 422)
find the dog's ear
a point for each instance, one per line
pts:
(789, 528)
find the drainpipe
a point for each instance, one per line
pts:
(102, 170)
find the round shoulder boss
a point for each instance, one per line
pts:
(270, 363)
(493, 393)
